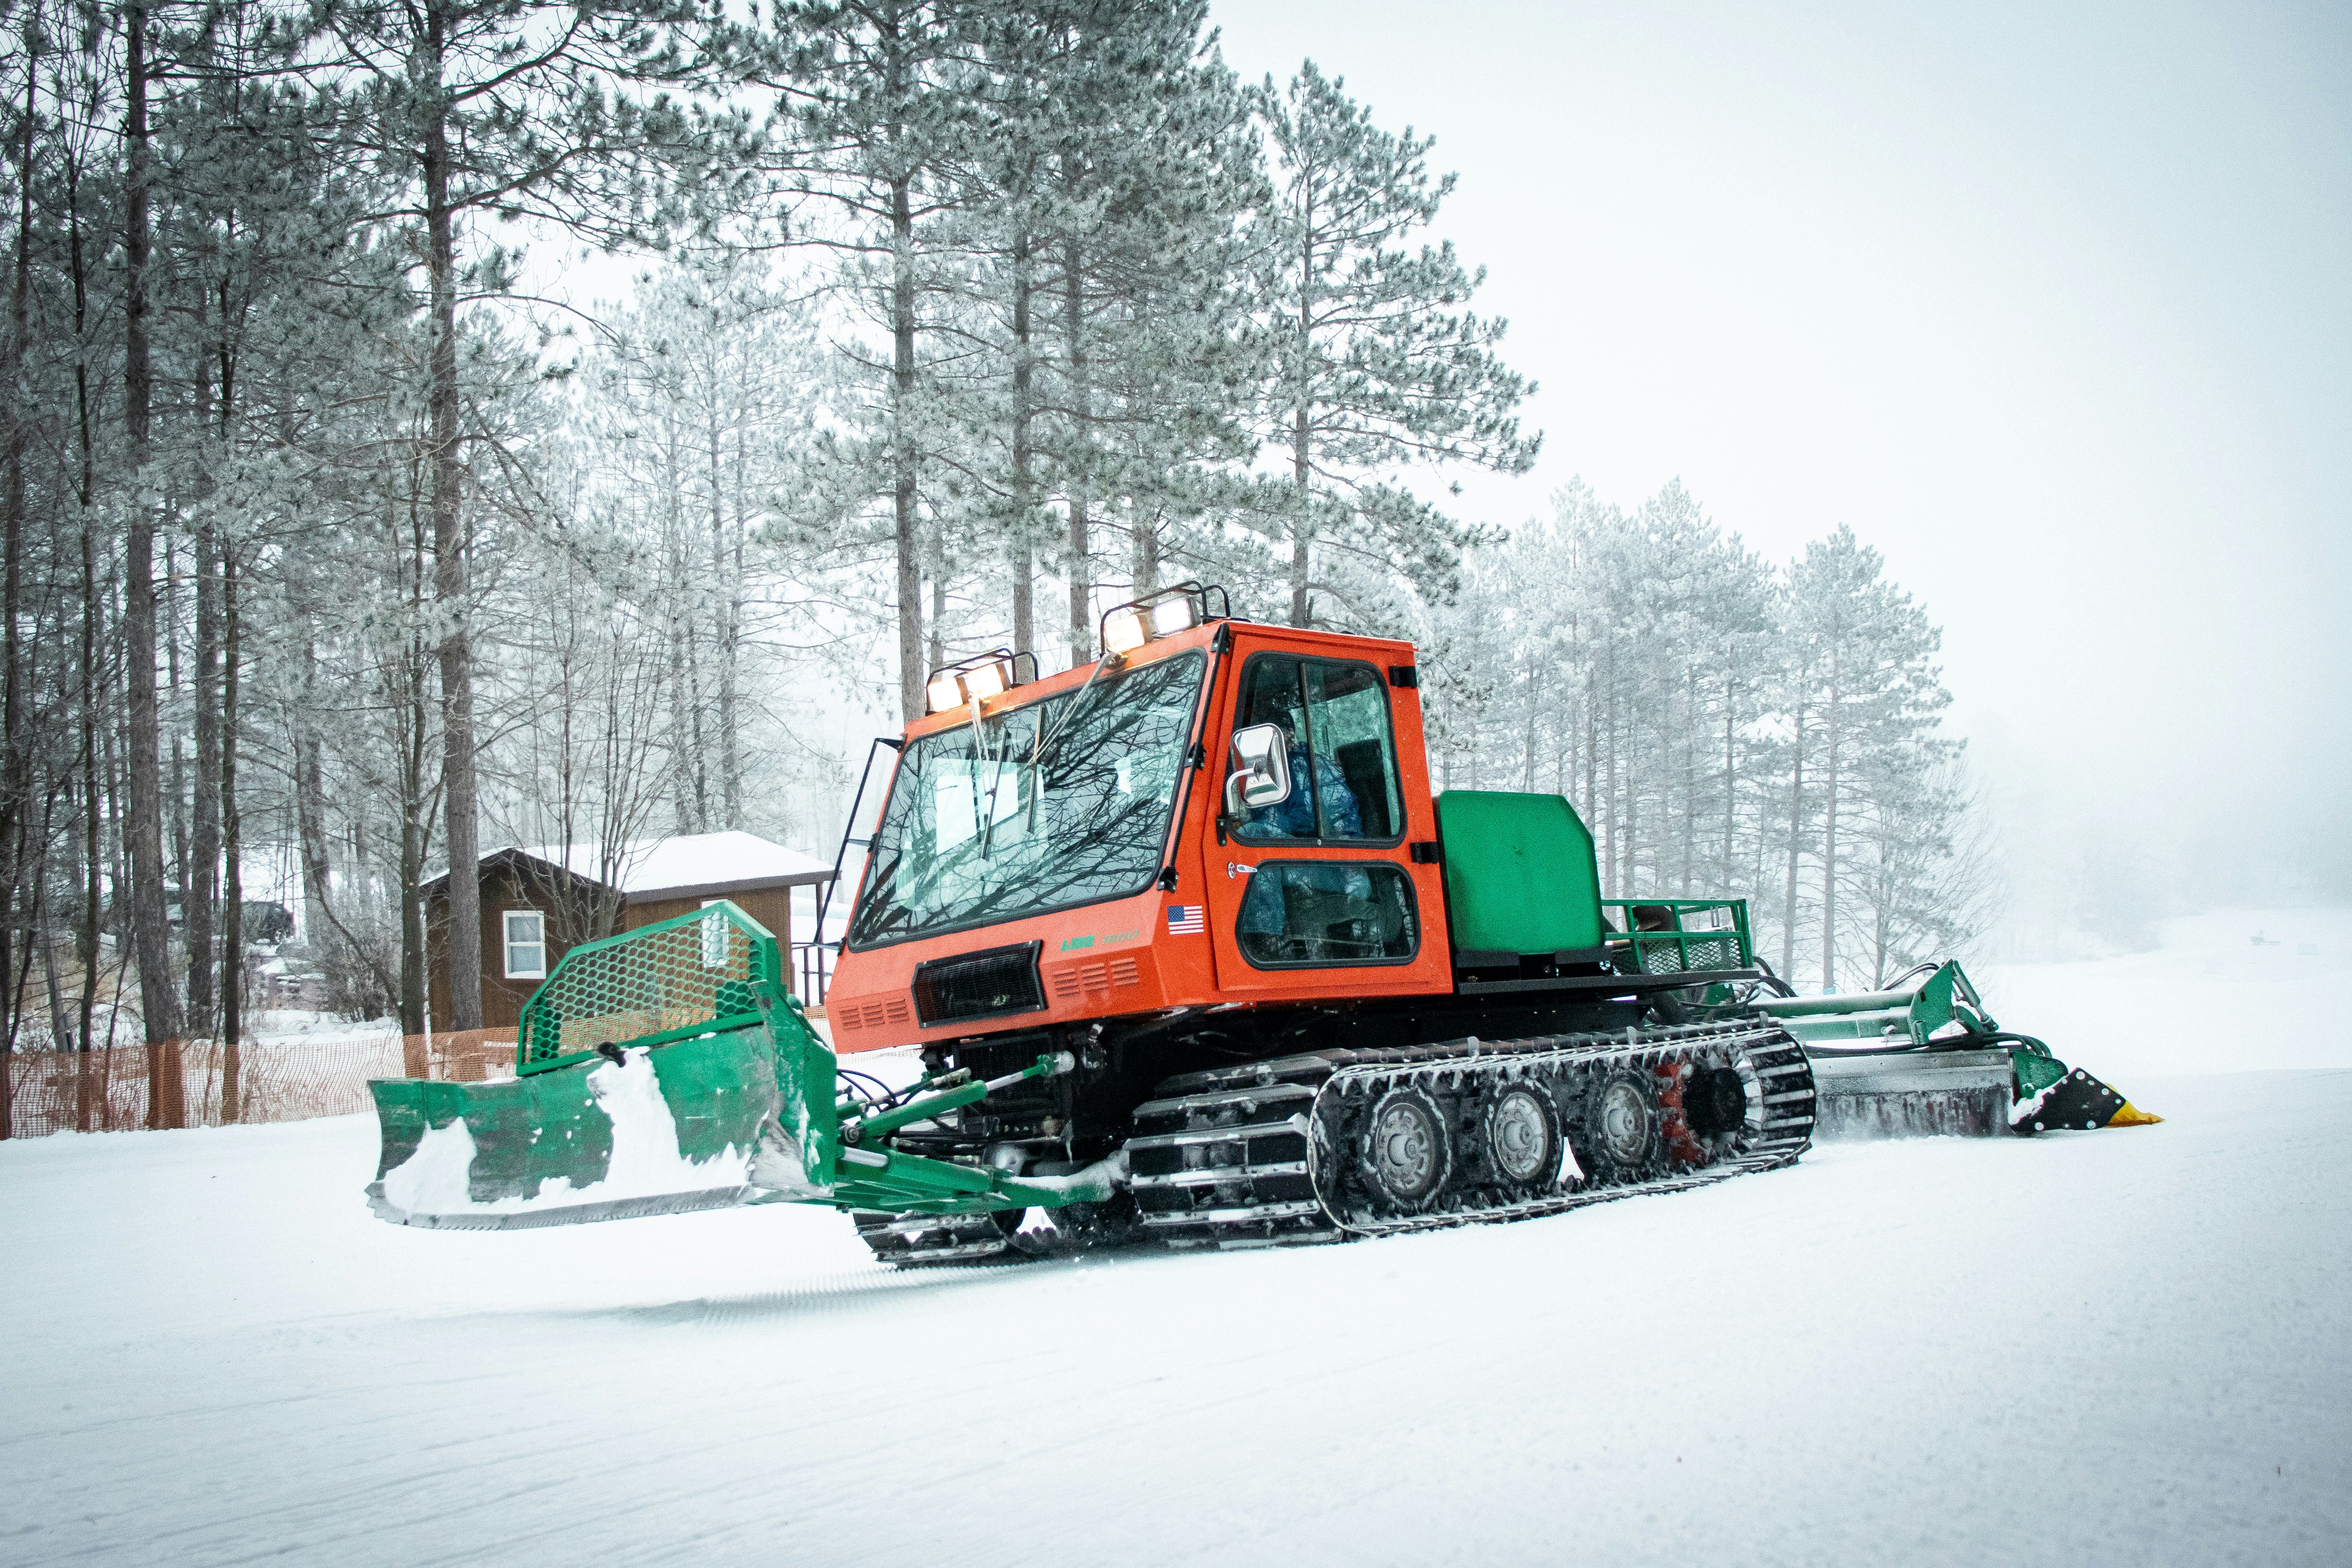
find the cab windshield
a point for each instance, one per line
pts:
(1063, 802)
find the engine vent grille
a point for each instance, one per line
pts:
(978, 985)
(1073, 980)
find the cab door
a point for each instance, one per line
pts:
(1316, 894)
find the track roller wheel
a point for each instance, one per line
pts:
(1623, 1139)
(1520, 1134)
(1405, 1153)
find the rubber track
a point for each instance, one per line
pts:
(1267, 1154)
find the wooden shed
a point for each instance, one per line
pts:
(537, 902)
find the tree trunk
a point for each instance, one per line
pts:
(200, 893)
(730, 660)
(175, 777)
(311, 833)
(723, 634)
(1591, 746)
(159, 998)
(902, 457)
(460, 796)
(232, 969)
(1301, 430)
(1690, 777)
(1147, 556)
(12, 768)
(1609, 779)
(412, 900)
(60, 1027)
(1302, 607)
(1082, 629)
(1731, 781)
(1529, 688)
(86, 947)
(937, 654)
(1025, 631)
(685, 732)
(1831, 712)
(1796, 842)
(414, 699)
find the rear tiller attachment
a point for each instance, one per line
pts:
(667, 1069)
(1924, 1057)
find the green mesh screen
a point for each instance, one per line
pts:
(1673, 952)
(663, 981)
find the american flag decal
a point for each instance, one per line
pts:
(1187, 920)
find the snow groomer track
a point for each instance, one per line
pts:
(1317, 1148)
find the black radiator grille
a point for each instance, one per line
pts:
(979, 984)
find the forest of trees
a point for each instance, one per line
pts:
(344, 532)
(1724, 726)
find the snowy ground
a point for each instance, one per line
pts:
(2118, 1347)
(303, 1026)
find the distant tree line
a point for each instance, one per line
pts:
(332, 531)
(1727, 726)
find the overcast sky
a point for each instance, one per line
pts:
(2054, 308)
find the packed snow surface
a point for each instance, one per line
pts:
(2125, 1346)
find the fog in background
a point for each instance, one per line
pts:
(2056, 311)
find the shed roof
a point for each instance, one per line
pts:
(688, 865)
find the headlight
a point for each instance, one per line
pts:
(984, 680)
(1172, 616)
(1126, 630)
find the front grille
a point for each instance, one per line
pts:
(978, 985)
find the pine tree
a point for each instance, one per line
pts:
(1380, 364)
(519, 111)
(1867, 682)
(867, 110)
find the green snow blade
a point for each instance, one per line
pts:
(651, 1068)
(719, 1091)
(668, 1070)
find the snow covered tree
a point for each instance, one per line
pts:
(866, 110)
(1379, 363)
(518, 110)
(1704, 710)
(1863, 693)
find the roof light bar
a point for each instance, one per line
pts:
(976, 679)
(1126, 627)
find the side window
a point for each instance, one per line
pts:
(526, 944)
(1327, 912)
(1342, 752)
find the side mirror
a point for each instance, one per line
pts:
(1261, 772)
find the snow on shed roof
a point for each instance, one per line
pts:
(687, 864)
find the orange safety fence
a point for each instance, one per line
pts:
(205, 1083)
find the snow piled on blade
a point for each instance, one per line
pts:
(646, 1161)
(433, 1179)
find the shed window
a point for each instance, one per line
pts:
(526, 944)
